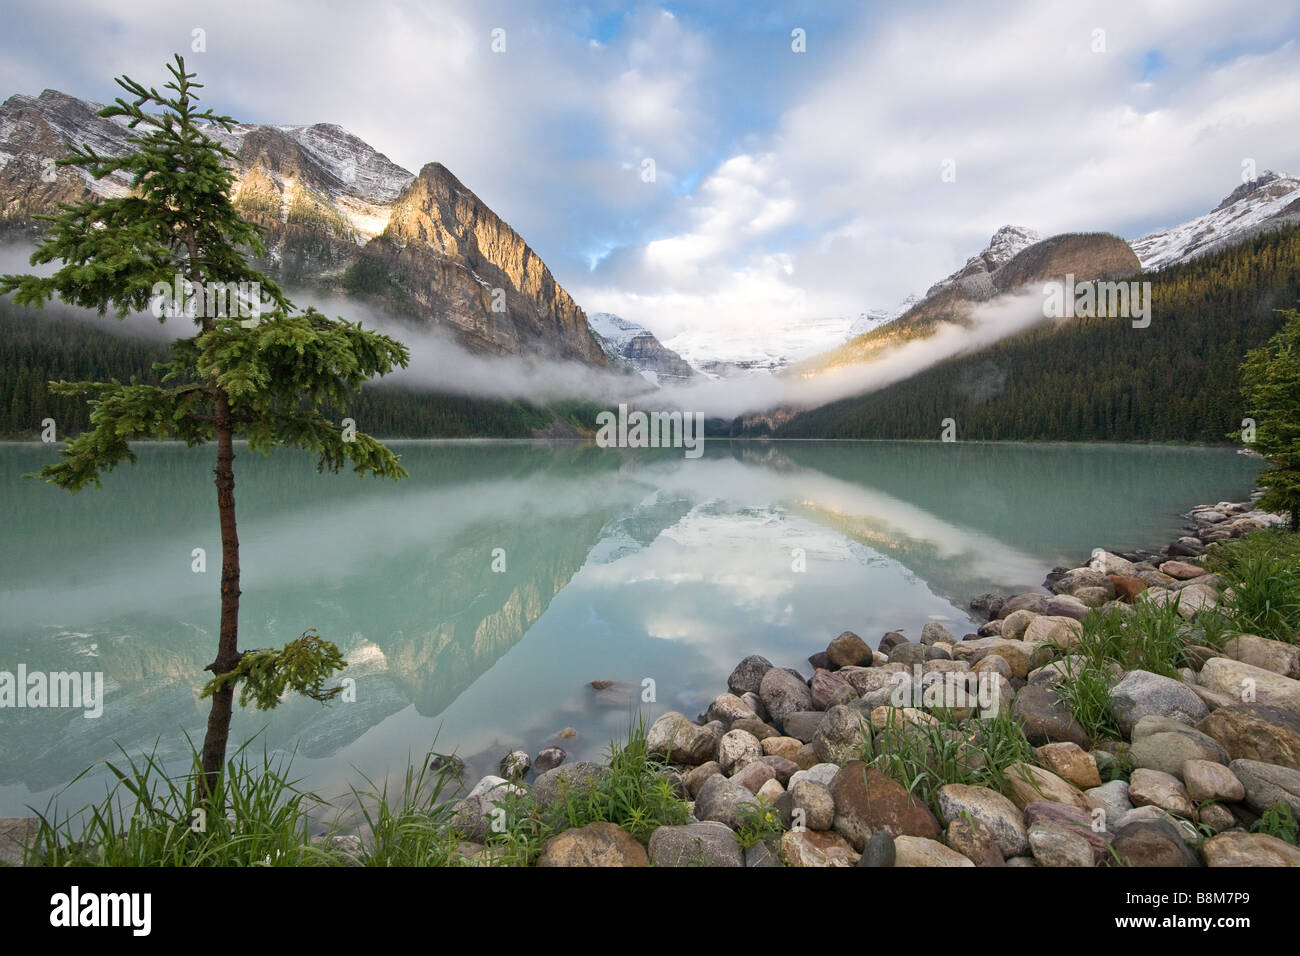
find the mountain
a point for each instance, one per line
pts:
(1269, 201)
(636, 345)
(341, 218)
(1015, 257)
(1097, 379)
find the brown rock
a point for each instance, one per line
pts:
(1181, 570)
(1126, 588)
(1029, 784)
(866, 800)
(596, 844)
(816, 848)
(1071, 763)
(1256, 732)
(849, 650)
(974, 840)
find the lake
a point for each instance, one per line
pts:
(477, 599)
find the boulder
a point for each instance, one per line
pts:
(515, 765)
(849, 650)
(1249, 849)
(675, 738)
(1071, 763)
(936, 633)
(696, 844)
(866, 801)
(825, 685)
(596, 844)
(752, 725)
(802, 724)
(748, 675)
(1112, 799)
(1058, 630)
(728, 708)
(696, 777)
(1168, 751)
(1015, 624)
(1267, 784)
(1272, 656)
(1046, 718)
(1148, 843)
(922, 851)
(736, 749)
(548, 758)
(991, 809)
(1256, 732)
(812, 804)
(1211, 780)
(1158, 789)
(784, 694)
(1141, 693)
(1181, 570)
(1055, 845)
(879, 850)
(785, 747)
(841, 735)
(1029, 784)
(577, 777)
(973, 840)
(1239, 680)
(1087, 824)
(1023, 602)
(753, 775)
(816, 848)
(720, 800)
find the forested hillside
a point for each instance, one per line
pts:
(39, 347)
(1099, 379)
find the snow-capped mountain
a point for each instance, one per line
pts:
(974, 279)
(1266, 202)
(637, 346)
(337, 214)
(721, 353)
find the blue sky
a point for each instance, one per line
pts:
(787, 184)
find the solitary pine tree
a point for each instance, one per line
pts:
(1271, 385)
(264, 372)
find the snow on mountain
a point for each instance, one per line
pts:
(1269, 200)
(721, 353)
(637, 346)
(974, 279)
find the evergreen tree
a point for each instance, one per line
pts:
(1271, 385)
(267, 377)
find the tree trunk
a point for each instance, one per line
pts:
(214, 744)
(1295, 520)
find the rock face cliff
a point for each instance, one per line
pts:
(1014, 259)
(636, 345)
(340, 217)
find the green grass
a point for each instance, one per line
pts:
(973, 751)
(147, 818)
(1263, 572)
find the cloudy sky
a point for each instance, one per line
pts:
(786, 184)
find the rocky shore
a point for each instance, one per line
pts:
(1201, 758)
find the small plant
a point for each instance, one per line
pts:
(757, 820)
(1278, 821)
